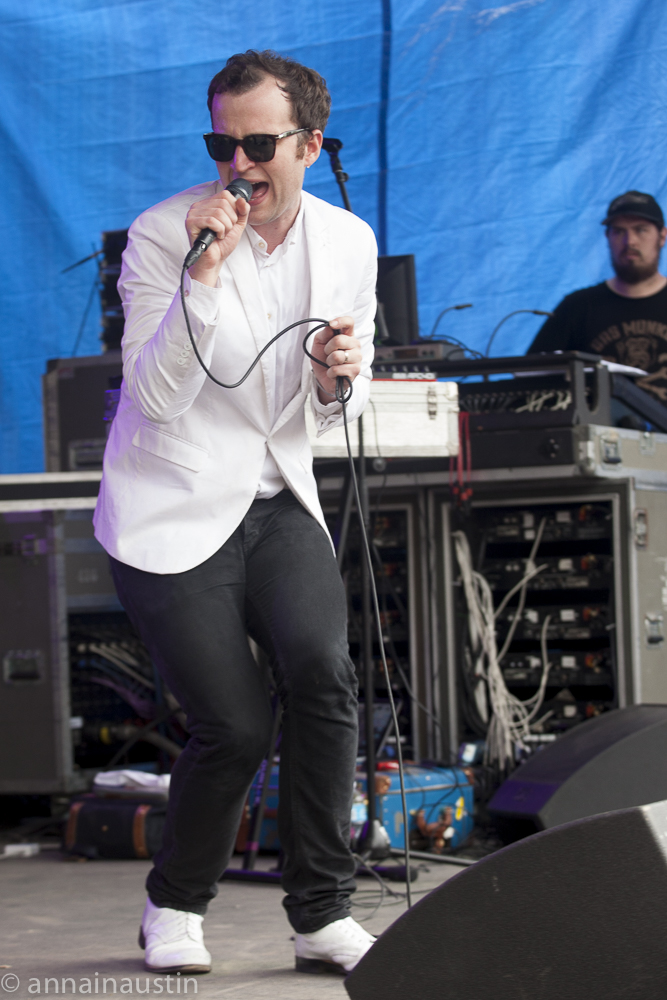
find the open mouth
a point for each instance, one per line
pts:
(259, 191)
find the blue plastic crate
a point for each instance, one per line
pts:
(434, 795)
(440, 793)
(268, 838)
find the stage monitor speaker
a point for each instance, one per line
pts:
(614, 761)
(574, 913)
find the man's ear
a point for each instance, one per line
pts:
(314, 146)
(663, 236)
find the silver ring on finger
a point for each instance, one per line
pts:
(347, 356)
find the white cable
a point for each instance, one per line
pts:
(538, 697)
(531, 571)
(107, 653)
(518, 586)
(511, 717)
(124, 654)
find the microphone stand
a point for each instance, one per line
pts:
(248, 872)
(333, 147)
(83, 260)
(374, 836)
(91, 296)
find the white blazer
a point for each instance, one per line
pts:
(184, 456)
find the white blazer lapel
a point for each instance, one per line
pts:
(318, 238)
(318, 235)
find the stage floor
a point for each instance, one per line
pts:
(72, 919)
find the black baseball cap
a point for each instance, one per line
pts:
(635, 203)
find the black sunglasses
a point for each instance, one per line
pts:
(259, 148)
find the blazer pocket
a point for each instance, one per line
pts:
(174, 449)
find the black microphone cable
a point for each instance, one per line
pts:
(342, 395)
(322, 323)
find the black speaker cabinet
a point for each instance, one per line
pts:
(574, 913)
(74, 401)
(51, 567)
(614, 761)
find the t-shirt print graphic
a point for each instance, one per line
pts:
(642, 343)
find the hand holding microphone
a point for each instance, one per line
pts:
(337, 347)
(215, 226)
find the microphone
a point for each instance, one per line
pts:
(463, 305)
(240, 188)
(535, 312)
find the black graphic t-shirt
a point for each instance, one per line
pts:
(629, 331)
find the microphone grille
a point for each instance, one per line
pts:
(240, 188)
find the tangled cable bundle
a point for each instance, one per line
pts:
(510, 719)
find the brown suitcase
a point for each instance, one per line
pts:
(113, 828)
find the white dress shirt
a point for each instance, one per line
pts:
(284, 278)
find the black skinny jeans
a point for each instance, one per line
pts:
(276, 579)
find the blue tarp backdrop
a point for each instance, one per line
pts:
(485, 138)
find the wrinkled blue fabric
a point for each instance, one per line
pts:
(509, 127)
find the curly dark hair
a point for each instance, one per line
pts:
(305, 88)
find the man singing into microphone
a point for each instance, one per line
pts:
(209, 508)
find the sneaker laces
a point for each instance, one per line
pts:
(185, 925)
(355, 932)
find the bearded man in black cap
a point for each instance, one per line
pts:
(624, 318)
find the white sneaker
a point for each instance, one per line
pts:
(173, 939)
(335, 948)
